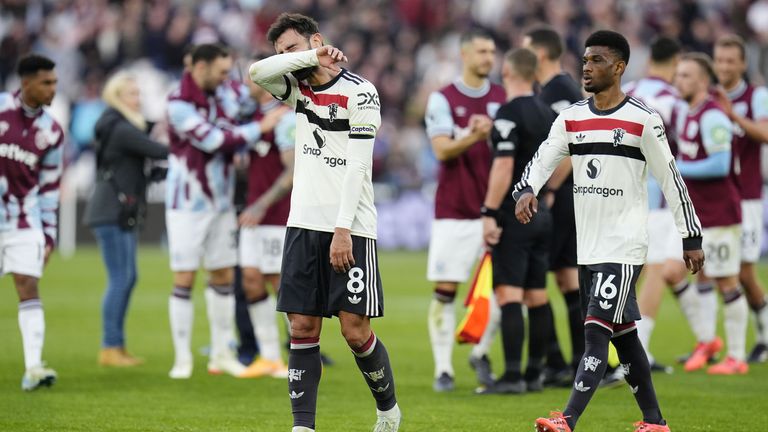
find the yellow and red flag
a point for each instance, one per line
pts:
(478, 303)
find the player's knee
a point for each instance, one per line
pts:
(536, 298)
(223, 276)
(355, 329)
(303, 327)
(253, 283)
(26, 287)
(184, 279)
(446, 286)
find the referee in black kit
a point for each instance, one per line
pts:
(520, 253)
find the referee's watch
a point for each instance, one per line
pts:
(490, 212)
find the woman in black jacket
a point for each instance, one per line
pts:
(117, 205)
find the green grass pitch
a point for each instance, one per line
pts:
(90, 398)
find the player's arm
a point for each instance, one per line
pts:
(272, 73)
(364, 122)
(756, 129)
(285, 132)
(539, 169)
(716, 135)
(662, 165)
(504, 140)
(440, 129)
(51, 167)
(206, 136)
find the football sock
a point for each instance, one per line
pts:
(512, 337)
(644, 331)
(688, 297)
(761, 322)
(264, 318)
(555, 358)
(442, 322)
(736, 314)
(539, 320)
(181, 312)
(304, 371)
(707, 311)
(32, 326)
(591, 369)
(373, 361)
(637, 371)
(220, 303)
(486, 340)
(576, 326)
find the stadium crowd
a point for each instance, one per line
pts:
(407, 48)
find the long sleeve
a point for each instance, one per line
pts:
(48, 195)
(272, 72)
(546, 159)
(206, 136)
(133, 141)
(363, 124)
(662, 165)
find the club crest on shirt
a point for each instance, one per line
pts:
(4, 126)
(618, 136)
(40, 141)
(460, 111)
(333, 111)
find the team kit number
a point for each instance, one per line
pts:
(721, 251)
(355, 284)
(607, 290)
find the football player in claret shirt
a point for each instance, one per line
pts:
(613, 140)
(747, 106)
(458, 120)
(30, 170)
(330, 262)
(705, 135)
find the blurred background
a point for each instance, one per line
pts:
(408, 48)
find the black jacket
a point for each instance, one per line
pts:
(122, 150)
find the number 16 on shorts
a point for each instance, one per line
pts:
(608, 291)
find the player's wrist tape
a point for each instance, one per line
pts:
(517, 194)
(692, 243)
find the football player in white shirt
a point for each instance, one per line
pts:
(613, 140)
(329, 261)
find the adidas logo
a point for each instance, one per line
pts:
(381, 389)
(634, 389)
(295, 395)
(579, 386)
(580, 137)
(354, 299)
(605, 305)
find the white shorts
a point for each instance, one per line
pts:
(210, 237)
(722, 251)
(664, 242)
(455, 246)
(22, 252)
(751, 230)
(261, 247)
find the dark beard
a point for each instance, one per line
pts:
(303, 74)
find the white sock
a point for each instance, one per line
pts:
(688, 297)
(32, 325)
(442, 322)
(736, 315)
(644, 332)
(707, 312)
(263, 317)
(220, 305)
(181, 312)
(761, 323)
(494, 322)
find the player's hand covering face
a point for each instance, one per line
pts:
(600, 69)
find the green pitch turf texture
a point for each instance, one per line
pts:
(90, 398)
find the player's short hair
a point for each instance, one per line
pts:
(732, 40)
(208, 53)
(523, 62)
(475, 33)
(32, 63)
(547, 38)
(705, 63)
(614, 41)
(664, 49)
(302, 24)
